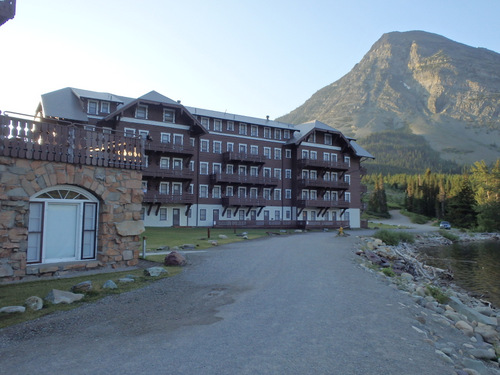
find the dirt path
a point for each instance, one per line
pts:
(399, 219)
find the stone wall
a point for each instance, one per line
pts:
(120, 195)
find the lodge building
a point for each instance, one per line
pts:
(215, 169)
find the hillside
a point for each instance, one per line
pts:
(423, 83)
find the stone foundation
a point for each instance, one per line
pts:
(118, 190)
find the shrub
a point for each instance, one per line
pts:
(393, 238)
(388, 272)
(437, 294)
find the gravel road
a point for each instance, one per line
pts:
(297, 304)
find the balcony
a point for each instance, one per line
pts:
(323, 164)
(170, 148)
(320, 203)
(249, 202)
(243, 157)
(177, 174)
(217, 178)
(315, 182)
(156, 197)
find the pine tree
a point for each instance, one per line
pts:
(461, 208)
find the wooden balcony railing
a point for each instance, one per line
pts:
(216, 178)
(68, 143)
(302, 203)
(244, 157)
(249, 202)
(172, 148)
(178, 174)
(156, 197)
(317, 182)
(325, 164)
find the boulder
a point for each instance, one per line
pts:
(83, 287)
(34, 303)
(175, 259)
(110, 284)
(56, 296)
(155, 271)
(489, 333)
(222, 236)
(12, 309)
(465, 327)
(130, 228)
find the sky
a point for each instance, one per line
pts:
(256, 58)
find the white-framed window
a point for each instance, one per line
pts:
(254, 131)
(254, 150)
(267, 133)
(305, 174)
(326, 196)
(191, 141)
(163, 213)
(277, 215)
(288, 153)
(313, 175)
(305, 154)
(141, 111)
(347, 179)
(266, 193)
(347, 160)
(267, 172)
(164, 187)
(177, 188)
(326, 156)
(313, 195)
(164, 163)
(203, 214)
(129, 132)
(277, 173)
(277, 133)
(242, 170)
(288, 214)
(191, 165)
(334, 157)
(242, 129)
(277, 153)
(92, 107)
(229, 168)
(230, 126)
(347, 197)
(217, 125)
(334, 176)
(204, 145)
(90, 128)
(105, 107)
(288, 193)
(177, 164)
(217, 147)
(216, 192)
(277, 194)
(328, 139)
(203, 167)
(241, 215)
(286, 134)
(254, 192)
(314, 155)
(229, 214)
(203, 191)
(143, 134)
(168, 115)
(216, 167)
(313, 215)
(178, 139)
(190, 189)
(267, 152)
(288, 173)
(254, 171)
(242, 148)
(205, 122)
(229, 191)
(230, 147)
(326, 176)
(146, 161)
(305, 194)
(165, 137)
(242, 192)
(144, 186)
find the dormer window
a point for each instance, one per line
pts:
(92, 106)
(169, 115)
(141, 111)
(105, 107)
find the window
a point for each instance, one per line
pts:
(90, 128)
(242, 148)
(313, 215)
(141, 111)
(203, 191)
(163, 188)
(347, 197)
(217, 147)
(191, 165)
(277, 133)
(254, 131)
(216, 167)
(288, 173)
(203, 167)
(305, 194)
(267, 152)
(254, 193)
(242, 170)
(305, 174)
(92, 107)
(144, 186)
(228, 214)
(277, 153)
(288, 153)
(314, 155)
(305, 154)
(277, 194)
(288, 214)
(254, 150)
(177, 164)
(230, 126)
(229, 169)
(204, 145)
(313, 195)
(254, 171)
(191, 141)
(146, 161)
(347, 179)
(178, 139)
(218, 125)
(326, 196)
(105, 107)
(313, 175)
(169, 115)
(347, 160)
(288, 193)
(286, 134)
(242, 192)
(164, 163)
(277, 173)
(216, 192)
(163, 214)
(277, 215)
(266, 193)
(129, 132)
(144, 134)
(203, 214)
(326, 156)
(230, 147)
(328, 139)
(229, 191)
(242, 129)
(204, 121)
(334, 157)
(267, 133)
(267, 172)
(165, 138)
(190, 189)
(241, 215)
(143, 213)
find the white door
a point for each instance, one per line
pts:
(61, 232)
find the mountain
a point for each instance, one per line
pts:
(419, 83)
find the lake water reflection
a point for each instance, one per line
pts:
(475, 266)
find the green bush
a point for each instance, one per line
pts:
(388, 272)
(393, 238)
(446, 234)
(437, 294)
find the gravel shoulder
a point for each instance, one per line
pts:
(296, 304)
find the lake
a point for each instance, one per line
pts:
(475, 266)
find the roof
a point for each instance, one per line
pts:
(63, 104)
(154, 96)
(360, 151)
(239, 118)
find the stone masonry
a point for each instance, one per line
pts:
(120, 195)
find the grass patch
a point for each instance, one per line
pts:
(437, 294)
(450, 236)
(387, 271)
(415, 218)
(393, 238)
(16, 294)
